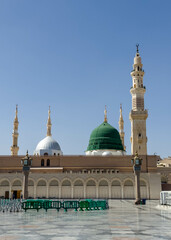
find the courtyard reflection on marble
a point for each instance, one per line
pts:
(123, 221)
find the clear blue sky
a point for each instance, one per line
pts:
(76, 56)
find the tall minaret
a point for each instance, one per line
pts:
(14, 147)
(121, 127)
(49, 125)
(138, 114)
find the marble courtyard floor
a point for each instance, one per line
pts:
(123, 221)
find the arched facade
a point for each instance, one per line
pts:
(116, 189)
(66, 188)
(16, 188)
(5, 188)
(101, 185)
(31, 186)
(91, 188)
(41, 188)
(78, 188)
(144, 189)
(128, 189)
(53, 188)
(103, 188)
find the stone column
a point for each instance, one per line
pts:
(122, 191)
(10, 191)
(85, 190)
(72, 191)
(137, 186)
(47, 191)
(97, 190)
(25, 182)
(35, 188)
(60, 191)
(110, 192)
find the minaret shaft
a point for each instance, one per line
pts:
(138, 114)
(49, 124)
(14, 147)
(121, 128)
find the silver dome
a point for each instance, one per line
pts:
(47, 145)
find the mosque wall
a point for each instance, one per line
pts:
(84, 185)
(76, 163)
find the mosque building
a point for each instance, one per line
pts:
(105, 171)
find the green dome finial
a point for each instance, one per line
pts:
(105, 115)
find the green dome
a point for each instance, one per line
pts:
(105, 137)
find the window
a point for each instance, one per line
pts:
(46, 154)
(48, 163)
(42, 163)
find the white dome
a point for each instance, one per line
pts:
(48, 146)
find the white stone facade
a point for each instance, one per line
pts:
(82, 185)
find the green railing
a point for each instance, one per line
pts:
(82, 205)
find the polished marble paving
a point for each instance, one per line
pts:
(122, 221)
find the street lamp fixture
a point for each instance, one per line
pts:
(26, 162)
(137, 162)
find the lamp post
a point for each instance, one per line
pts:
(26, 163)
(136, 162)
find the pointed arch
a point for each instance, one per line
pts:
(41, 188)
(66, 188)
(128, 188)
(103, 188)
(53, 185)
(78, 188)
(116, 188)
(91, 188)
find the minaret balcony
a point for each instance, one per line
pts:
(138, 114)
(141, 90)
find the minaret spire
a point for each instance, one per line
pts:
(137, 46)
(49, 125)
(14, 147)
(138, 114)
(121, 127)
(105, 115)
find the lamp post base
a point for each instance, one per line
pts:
(138, 202)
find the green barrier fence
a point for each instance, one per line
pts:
(70, 205)
(83, 205)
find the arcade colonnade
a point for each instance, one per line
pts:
(77, 187)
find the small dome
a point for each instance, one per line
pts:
(48, 146)
(107, 153)
(105, 137)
